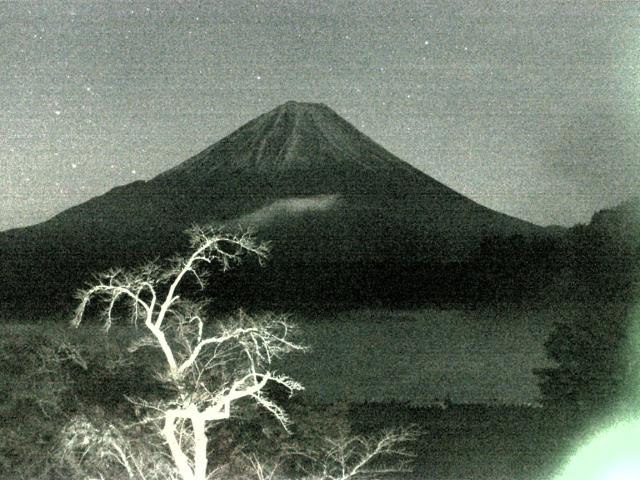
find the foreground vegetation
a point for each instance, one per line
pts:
(65, 414)
(45, 385)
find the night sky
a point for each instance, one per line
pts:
(530, 108)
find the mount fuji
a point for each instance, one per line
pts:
(326, 195)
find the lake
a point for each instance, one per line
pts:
(423, 355)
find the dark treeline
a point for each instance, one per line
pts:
(596, 353)
(584, 264)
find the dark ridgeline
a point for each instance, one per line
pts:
(350, 224)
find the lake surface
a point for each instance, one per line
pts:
(423, 355)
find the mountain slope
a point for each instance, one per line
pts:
(305, 177)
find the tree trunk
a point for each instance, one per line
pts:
(179, 458)
(200, 448)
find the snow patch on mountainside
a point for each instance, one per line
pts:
(287, 208)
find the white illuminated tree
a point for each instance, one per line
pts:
(360, 457)
(349, 457)
(207, 366)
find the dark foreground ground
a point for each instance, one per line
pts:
(469, 442)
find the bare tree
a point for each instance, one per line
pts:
(348, 457)
(208, 367)
(365, 457)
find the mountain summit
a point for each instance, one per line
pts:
(293, 138)
(308, 180)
